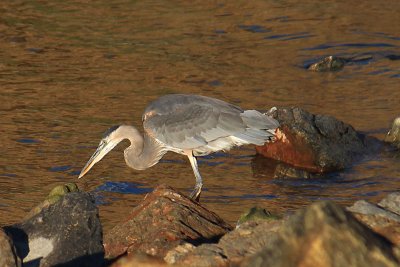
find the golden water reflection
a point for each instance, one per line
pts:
(70, 70)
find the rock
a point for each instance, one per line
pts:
(331, 63)
(255, 214)
(391, 202)
(383, 218)
(232, 248)
(334, 63)
(66, 233)
(315, 143)
(393, 136)
(55, 195)
(161, 222)
(266, 167)
(140, 260)
(366, 208)
(176, 254)
(8, 253)
(324, 234)
(248, 238)
(205, 255)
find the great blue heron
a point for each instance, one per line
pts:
(190, 125)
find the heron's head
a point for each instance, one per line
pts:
(110, 139)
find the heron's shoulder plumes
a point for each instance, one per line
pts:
(120, 132)
(110, 131)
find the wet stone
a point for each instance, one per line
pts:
(267, 167)
(331, 63)
(315, 143)
(162, 221)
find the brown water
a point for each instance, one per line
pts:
(69, 70)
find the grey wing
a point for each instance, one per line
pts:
(192, 126)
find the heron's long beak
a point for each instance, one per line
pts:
(100, 152)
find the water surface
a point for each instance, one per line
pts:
(70, 70)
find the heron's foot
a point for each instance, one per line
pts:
(195, 195)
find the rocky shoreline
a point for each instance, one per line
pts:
(168, 228)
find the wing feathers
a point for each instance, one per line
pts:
(206, 125)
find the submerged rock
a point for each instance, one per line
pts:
(267, 167)
(8, 253)
(335, 63)
(315, 143)
(331, 63)
(393, 136)
(161, 222)
(324, 234)
(66, 233)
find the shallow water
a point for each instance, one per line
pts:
(70, 70)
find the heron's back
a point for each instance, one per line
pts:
(204, 125)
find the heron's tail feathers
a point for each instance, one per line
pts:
(257, 120)
(260, 128)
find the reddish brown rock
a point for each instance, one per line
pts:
(383, 218)
(382, 225)
(161, 222)
(316, 143)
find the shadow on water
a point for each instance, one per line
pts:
(107, 192)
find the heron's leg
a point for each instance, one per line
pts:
(199, 182)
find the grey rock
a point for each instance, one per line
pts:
(366, 208)
(391, 202)
(66, 233)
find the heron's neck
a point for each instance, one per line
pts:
(143, 152)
